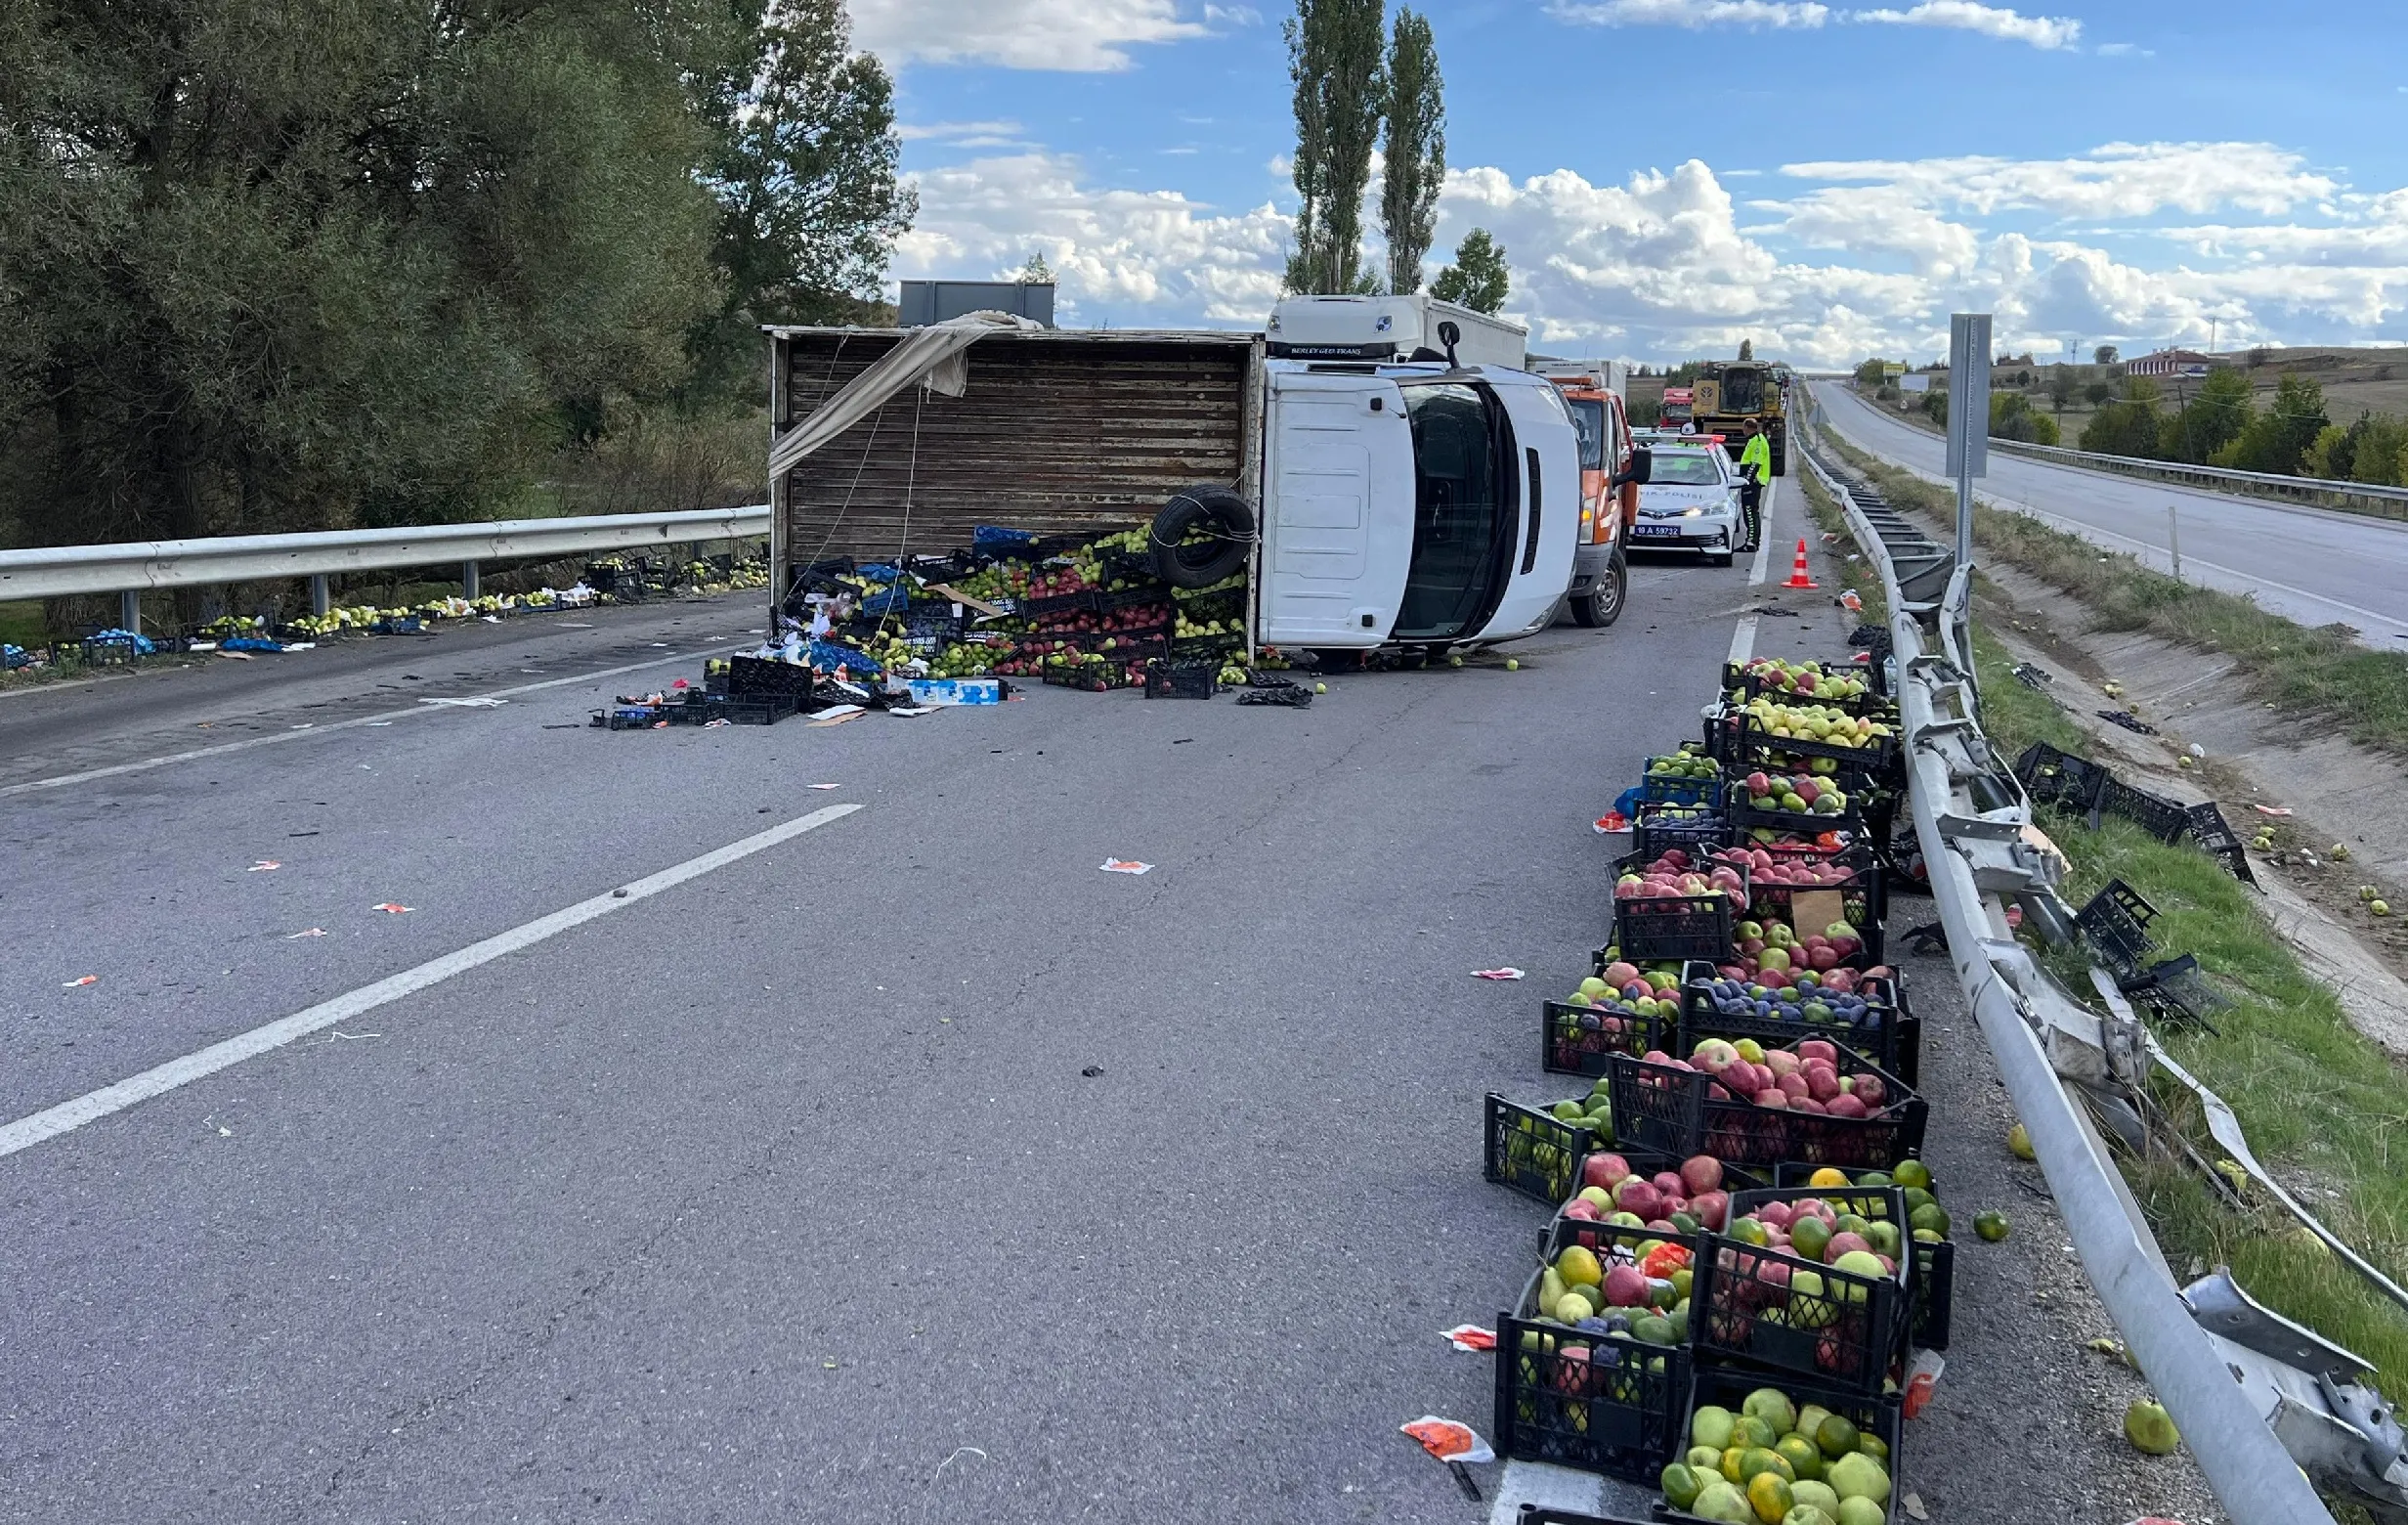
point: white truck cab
(1414, 505)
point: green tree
(2277, 440)
(2203, 426)
(2098, 394)
(2380, 456)
(804, 165)
(1747, 349)
(2011, 418)
(1036, 272)
(2130, 426)
(2060, 386)
(1341, 88)
(276, 266)
(1935, 406)
(1479, 281)
(1415, 155)
(1873, 373)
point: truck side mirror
(1449, 334)
(1640, 472)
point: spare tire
(1222, 524)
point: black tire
(1722, 558)
(1602, 603)
(1781, 457)
(1223, 514)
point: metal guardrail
(1975, 826)
(140, 565)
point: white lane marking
(1764, 535)
(1743, 641)
(424, 707)
(66, 1116)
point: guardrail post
(129, 611)
(468, 580)
(320, 603)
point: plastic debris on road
(390, 907)
(1470, 1337)
(264, 866)
(1506, 973)
(2271, 809)
(85, 980)
(823, 786)
(1447, 1440)
(1126, 866)
(1612, 823)
(475, 703)
(305, 931)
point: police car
(1691, 501)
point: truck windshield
(1463, 511)
(1588, 420)
(1743, 391)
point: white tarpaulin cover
(934, 352)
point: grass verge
(2324, 1109)
(2314, 674)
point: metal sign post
(1968, 417)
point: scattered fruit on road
(2150, 1428)
(1774, 1462)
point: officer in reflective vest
(1755, 470)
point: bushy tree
(2277, 440)
(2202, 426)
(803, 158)
(2380, 457)
(1415, 155)
(1340, 91)
(2104, 355)
(2130, 426)
(2011, 418)
(1478, 279)
(1873, 373)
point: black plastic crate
(1531, 1150)
(1584, 1400)
(1660, 825)
(1879, 758)
(1884, 1038)
(1668, 790)
(1935, 1267)
(1672, 928)
(1664, 1108)
(1736, 677)
(1748, 1304)
(756, 676)
(1747, 817)
(1111, 599)
(1577, 1040)
(1197, 649)
(735, 709)
(1541, 1514)
(1221, 603)
(2071, 784)
(2116, 921)
(2210, 829)
(1081, 602)
(2165, 819)
(1095, 676)
(1727, 1387)
(2178, 989)
(1863, 891)
(1181, 679)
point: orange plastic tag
(1447, 1440)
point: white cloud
(952, 132)
(2118, 180)
(1129, 258)
(2125, 50)
(1697, 15)
(1990, 20)
(1864, 258)
(1079, 36)
(1231, 16)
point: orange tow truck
(1608, 492)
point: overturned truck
(1372, 504)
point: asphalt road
(907, 1169)
(2316, 566)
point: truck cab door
(1337, 508)
(1547, 459)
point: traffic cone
(1798, 577)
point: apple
(1818, 1048)
(1604, 1171)
(1869, 1089)
(1701, 1174)
(1844, 1106)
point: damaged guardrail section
(2256, 1397)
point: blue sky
(1670, 175)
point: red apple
(1702, 1173)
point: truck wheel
(1224, 524)
(1602, 604)
(1780, 460)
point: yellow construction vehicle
(1728, 394)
